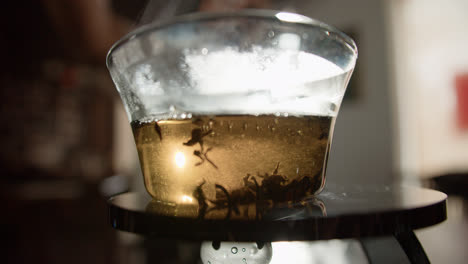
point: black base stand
(403, 247)
(413, 249)
(381, 218)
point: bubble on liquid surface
(271, 34)
(234, 250)
(243, 249)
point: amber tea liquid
(206, 163)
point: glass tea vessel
(230, 110)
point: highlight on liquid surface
(232, 165)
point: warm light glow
(179, 159)
(186, 199)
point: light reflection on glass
(289, 41)
(186, 199)
(179, 159)
(291, 17)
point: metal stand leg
(402, 247)
(411, 246)
(383, 250)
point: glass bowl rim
(280, 16)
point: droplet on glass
(271, 34)
(260, 244)
(216, 245)
(204, 51)
(234, 250)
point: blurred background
(66, 144)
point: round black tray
(350, 211)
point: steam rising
(262, 69)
